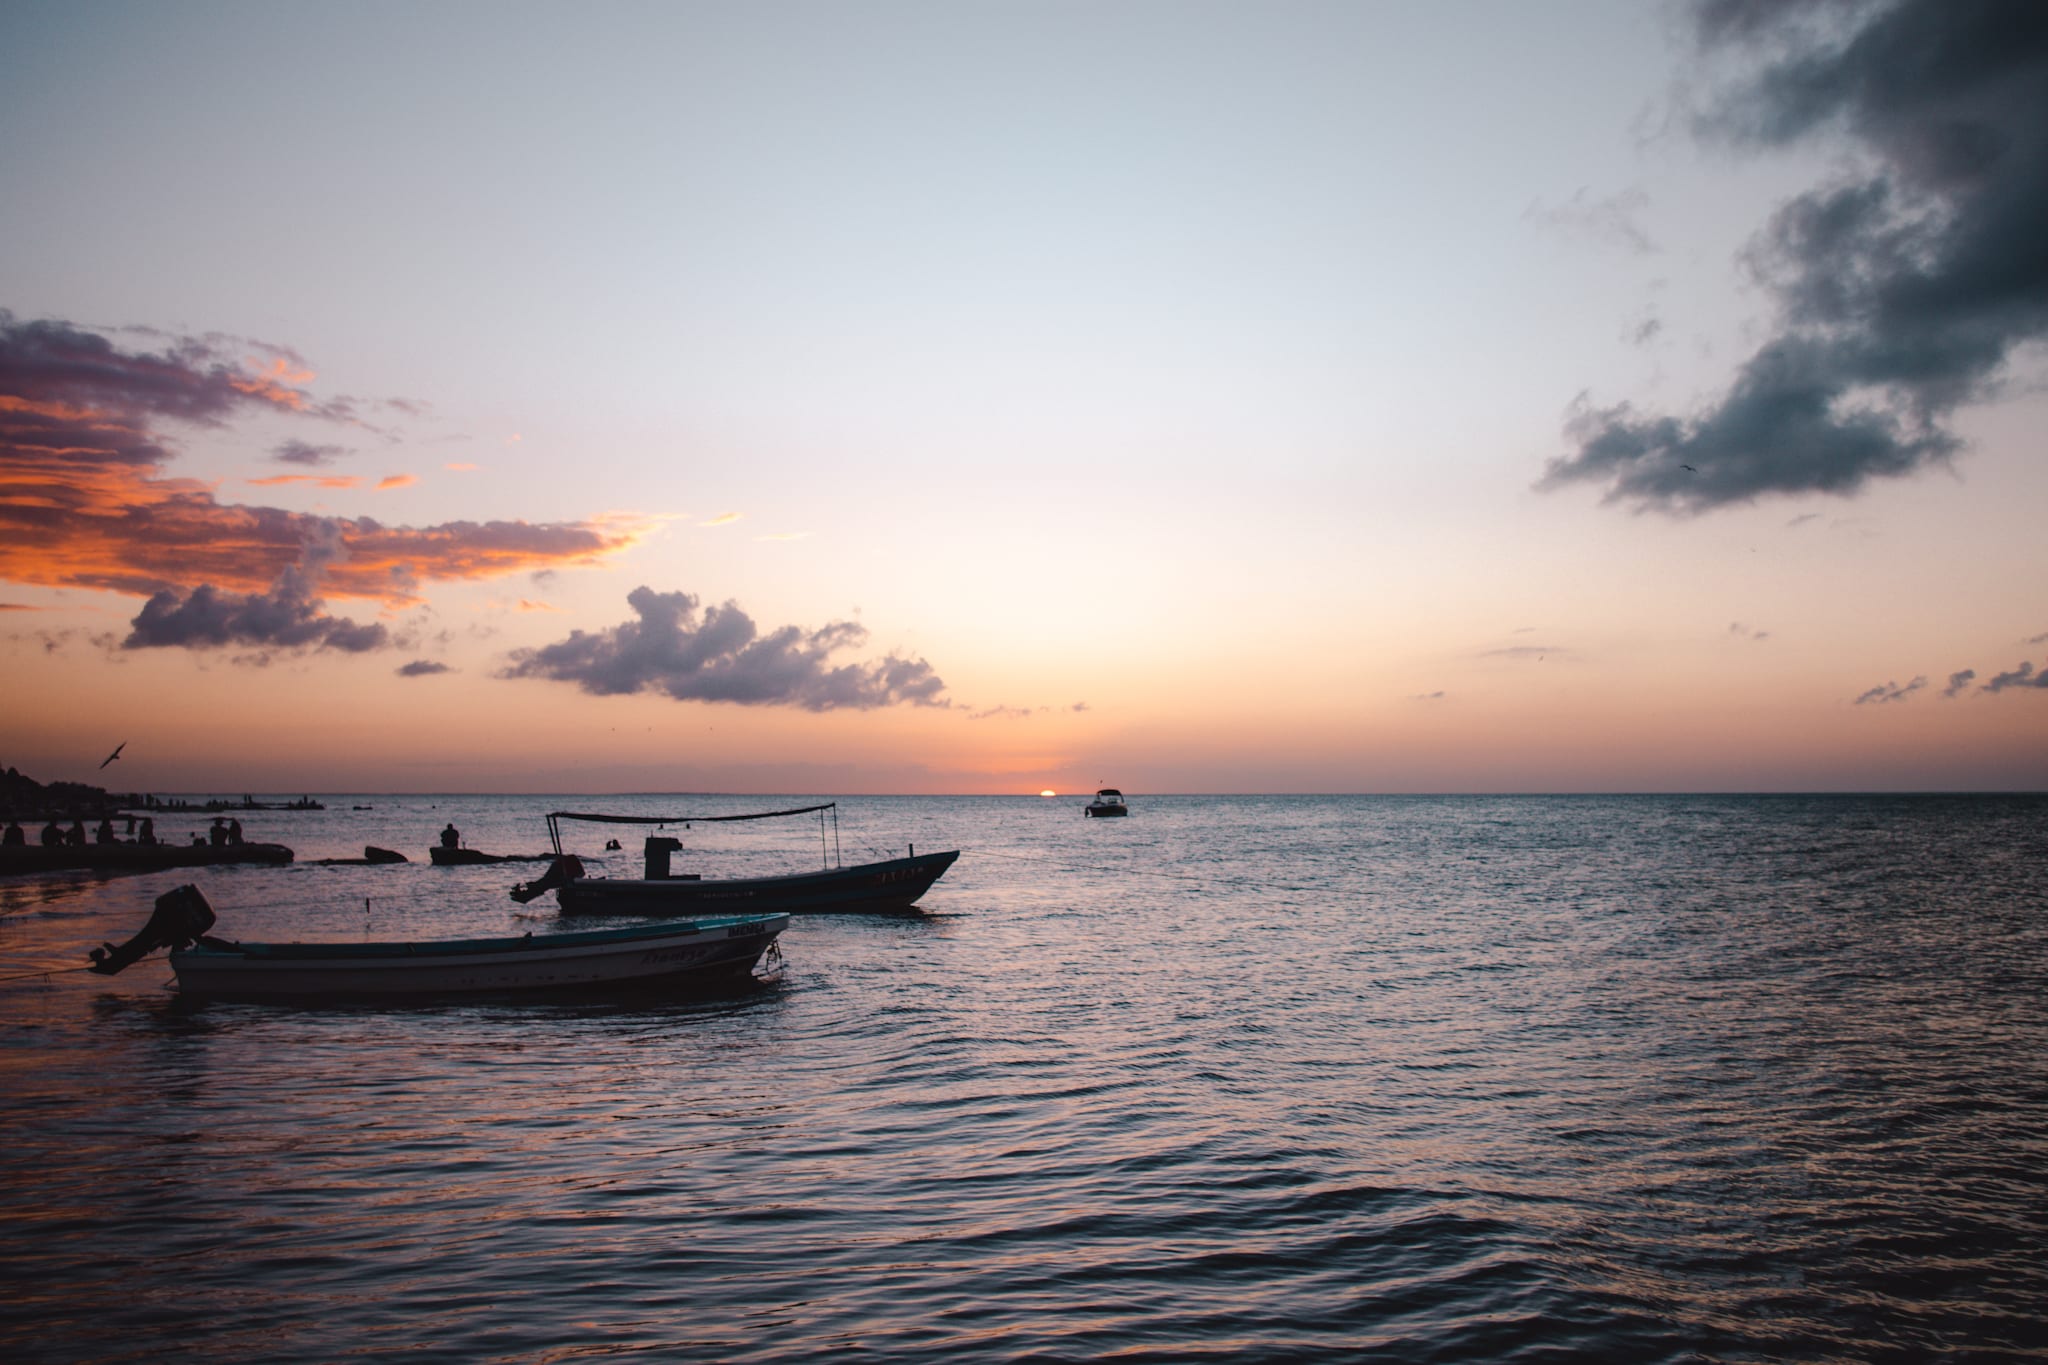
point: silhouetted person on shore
(105, 833)
(218, 835)
(15, 837)
(450, 838)
(148, 835)
(77, 839)
(53, 835)
(234, 831)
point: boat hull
(894, 885)
(1106, 810)
(695, 954)
(470, 857)
(135, 857)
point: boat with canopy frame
(893, 884)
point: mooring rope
(47, 971)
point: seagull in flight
(1688, 469)
(114, 755)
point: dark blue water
(1409, 1079)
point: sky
(996, 398)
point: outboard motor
(561, 872)
(659, 846)
(180, 917)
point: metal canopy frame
(831, 857)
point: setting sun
(1048, 792)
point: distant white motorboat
(696, 952)
(1108, 801)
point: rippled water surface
(1417, 1079)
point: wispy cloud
(1958, 682)
(54, 640)
(321, 480)
(397, 481)
(2024, 676)
(1613, 220)
(786, 535)
(421, 668)
(723, 519)
(528, 604)
(306, 453)
(1902, 287)
(1523, 652)
(1891, 691)
(461, 467)
(1742, 632)
(719, 655)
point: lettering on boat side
(667, 954)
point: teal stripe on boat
(477, 946)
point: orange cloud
(723, 519)
(276, 384)
(84, 501)
(324, 480)
(526, 605)
(460, 467)
(397, 481)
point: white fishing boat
(706, 951)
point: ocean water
(1415, 1079)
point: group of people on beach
(56, 836)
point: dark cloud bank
(719, 655)
(288, 617)
(1903, 287)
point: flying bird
(1688, 469)
(114, 755)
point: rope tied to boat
(47, 971)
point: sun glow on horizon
(1048, 792)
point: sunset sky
(997, 397)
